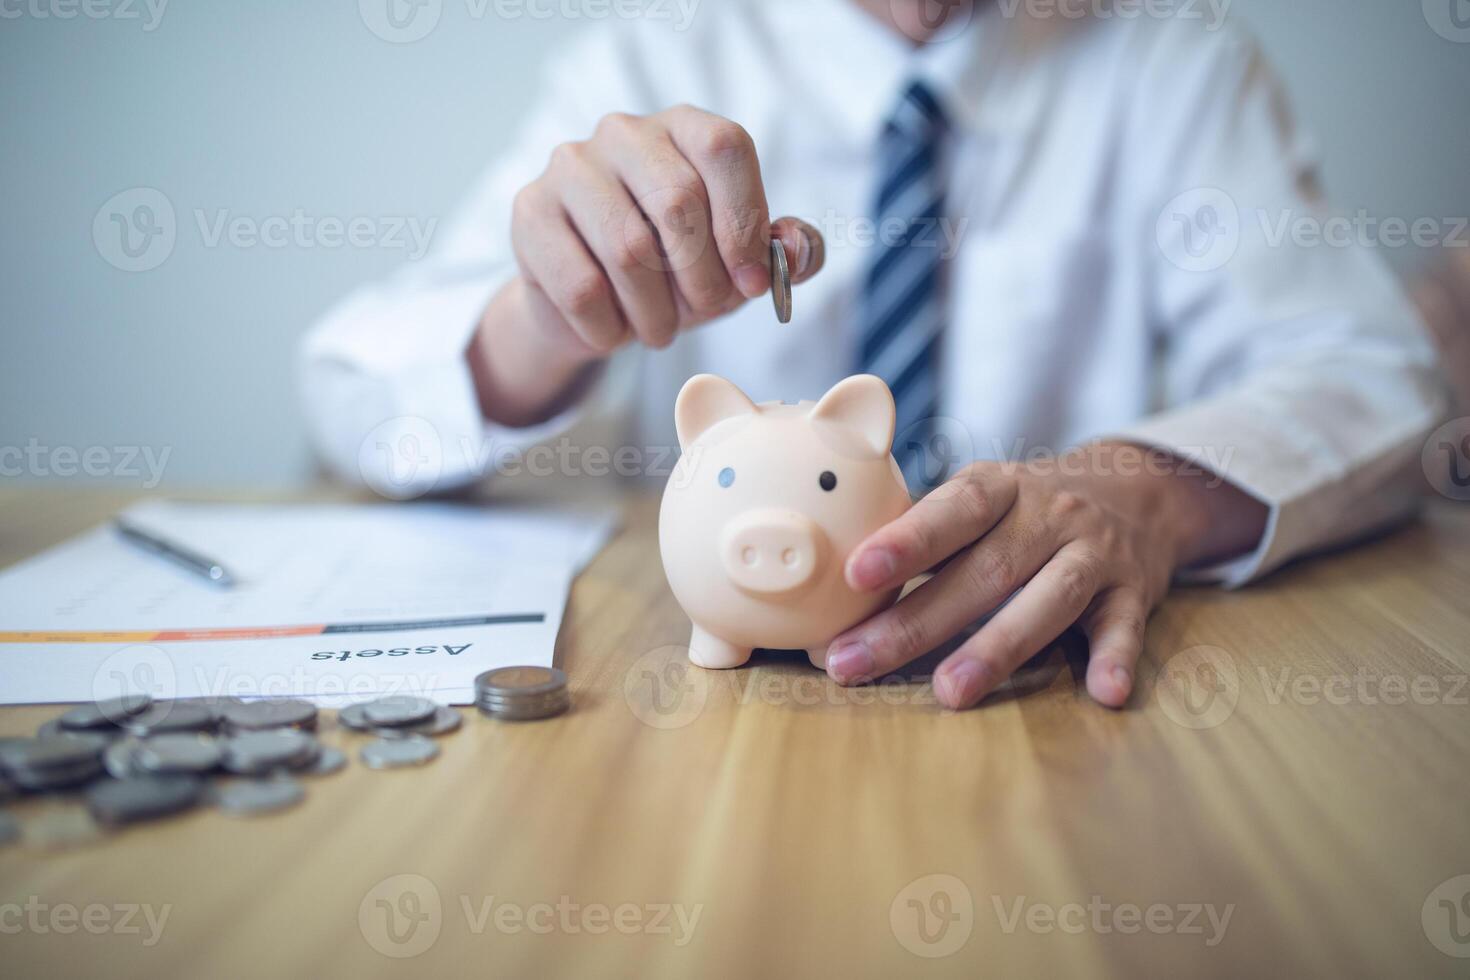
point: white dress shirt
(1089, 162)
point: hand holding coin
(650, 226)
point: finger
(558, 264)
(953, 516)
(670, 196)
(1114, 627)
(1038, 614)
(806, 250)
(626, 248)
(724, 154)
(970, 586)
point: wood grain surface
(1286, 794)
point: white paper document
(333, 603)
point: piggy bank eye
(828, 480)
(727, 477)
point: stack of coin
(522, 693)
(401, 722)
(398, 715)
(260, 753)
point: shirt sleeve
(387, 390)
(1294, 366)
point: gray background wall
(254, 110)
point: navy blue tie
(902, 312)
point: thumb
(805, 249)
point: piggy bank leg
(714, 653)
(818, 657)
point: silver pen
(193, 561)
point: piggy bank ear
(863, 404)
(703, 401)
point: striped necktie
(902, 312)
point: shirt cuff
(1278, 464)
(392, 377)
(1318, 494)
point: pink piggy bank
(764, 507)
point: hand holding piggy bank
(764, 507)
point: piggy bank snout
(771, 551)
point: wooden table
(1295, 758)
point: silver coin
(393, 753)
(178, 754)
(519, 682)
(171, 716)
(104, 714)
(327, 761)
(352, 717)
(56, 777)
(9, 828)
(525, 709)
(120, 759)
(780, 282)
(256, 753)
(442, 722)
(121, 801)
(257, 715)
(51, 752)
(400, 709)
(59, 827)
(248, 797)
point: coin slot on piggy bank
(763, 508)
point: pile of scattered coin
(132, 759)
(522, 693)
